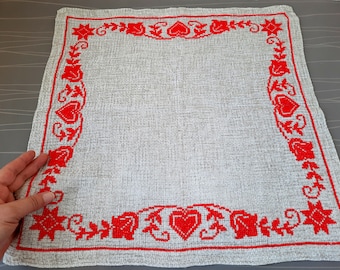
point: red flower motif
(124, 225)
(278, 68)
(318, 217)
(72, 73)
(48, 223)
(271, 27)
(83, 31)
(301, 149)
(218, 27)
(60, 156)
(136, 29)
(243, 223)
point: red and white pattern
(202, 222)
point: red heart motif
(218, 27)
(285, 105)
(70, 112)
(185, 222)
(125, 225)
(178, 29)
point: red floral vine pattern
(72, 100)
(184, 222)
(190, 30)
(289, 121)
(165, 222)
(119, 227)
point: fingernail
(48, 197)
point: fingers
(31, 169)
(16, 210)
(6, 195)
(11, 214)
(10, 171)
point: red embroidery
(286, 227)
(122, 226)
(246, 224)
(155, 220)
(125, 225)
(73, 95)
(204, 221)
(71, 92)
(301, 149)
(318, 217)
(216, 227)
(48, 223)
(178, 29)
(285, 105)
(271, 27)
(290, 127)
(189, 30)
(59, 158)
(243, 223)
(72, 71)
(136, 29)
(218, 27)
(185, 222)
(278, 68)
(70, 112)
(83, 31)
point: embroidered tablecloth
(180, 137)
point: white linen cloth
(180, 137)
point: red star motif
(48, 223)
(83, 31)
(318, 217)
(271, 27)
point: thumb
(22, 207)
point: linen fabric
(180, 137)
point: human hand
(12, 177)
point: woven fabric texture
(180, 137)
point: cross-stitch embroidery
(165, 222)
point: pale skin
(12, 177)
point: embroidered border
(207, 221)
